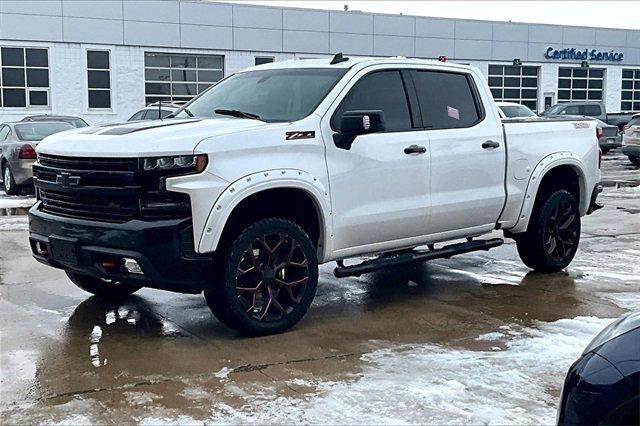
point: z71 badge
(307, 134)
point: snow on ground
(16, 201)
(430, 384)
(14, 223)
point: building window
(263, 60)
(99, 79)
(24, 81)
(177, 77)
(580, 84)
(630, 90)
(515, 84)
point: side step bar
(406, 258)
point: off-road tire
(248, 264)
(10, 185)
(101, 288)
(557, 218)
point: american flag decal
(306, 134)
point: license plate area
(64, 250)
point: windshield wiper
(238, 113)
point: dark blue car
(603, 386)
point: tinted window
(4, 131)
(383, 90)
(137, 116)
(152, 114)
(39, 131)
(571, 110)
(512, 111)
(592, 110)
(446, 100)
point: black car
(603, 386)
(74, 121)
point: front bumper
(163, 249)
(631, 150)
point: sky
(606, 14)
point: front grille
(104, 189)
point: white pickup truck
(285, 166)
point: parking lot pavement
(474, 339)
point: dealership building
(104, 60)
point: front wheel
(268, 279)
(551, 241)
(10, 186)
(106, 289)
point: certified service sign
(583, 55)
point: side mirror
(355, 123)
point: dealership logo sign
(583, 55)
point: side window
(592, 110)
(572, 110)
(166, 112)
(137, 116)
(4, 131)
(152, 114)
(381, 90)
(447, 100)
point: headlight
(618, 327)
(180, 163)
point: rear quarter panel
(536, 147)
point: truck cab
(288, 165)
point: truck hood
(143, 138)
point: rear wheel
(605, 150)
(107, 289)
(10, 186)
(551, 241)
(268, 279)
(635, 161)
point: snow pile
(436, 384)
(14, 223)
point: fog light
(132, 266)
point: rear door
(467, 151)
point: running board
(405, 258)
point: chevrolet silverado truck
(282, 167)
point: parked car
(608, 135)
(74, 121)
(155, 111)
(17, 151)
(281, 167)
(590, 109)
(603, 385)
(515, 110)
(631, 140)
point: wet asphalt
(68, 357)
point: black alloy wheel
(269, 279)
(552, 238)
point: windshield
(512, 111)
(273, 95)
(39, 131)
(553, 110)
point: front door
(379, 192)
(467, 152)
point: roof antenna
(338, 58)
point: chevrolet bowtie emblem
(65, 180)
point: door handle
(415, 149)
(490, 144)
